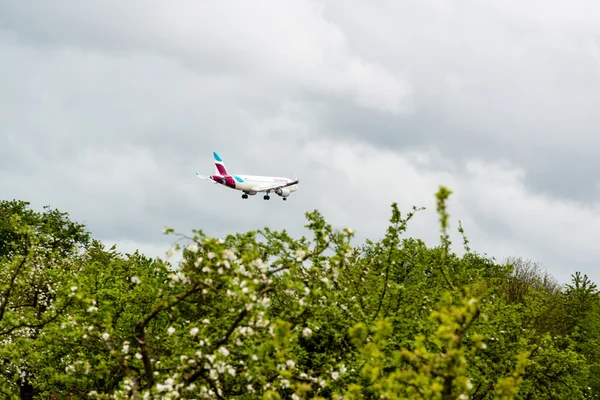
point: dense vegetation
(264, 315)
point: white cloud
(566, 229)
(288, 42)
(500, 215)
(109, 106)
(582, 14)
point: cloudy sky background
(106, 108)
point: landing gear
(266, 197)
(285, 198)
(244, 196)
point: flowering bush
(263, 315)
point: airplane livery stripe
(221, 169)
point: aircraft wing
(273, 186)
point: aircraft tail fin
(219, 165)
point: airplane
(250, 184)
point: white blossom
(161, 388)
(179, 276)
(171, 330)
(300, 254)
(194, 331)
(258, 263)
(229, 254)
(224, 351)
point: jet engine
(283, 192)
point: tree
(261, 314)
(38, 261)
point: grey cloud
(295, 47)
(106, 107)
(73, 109)
(494, 86)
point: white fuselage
(251, 183)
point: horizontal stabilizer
(202, 176)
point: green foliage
(38, 263)
(59, 233)
(261, 314)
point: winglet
(217, 157)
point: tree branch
(140, 329)
(8, 291)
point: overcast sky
(106, 108)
